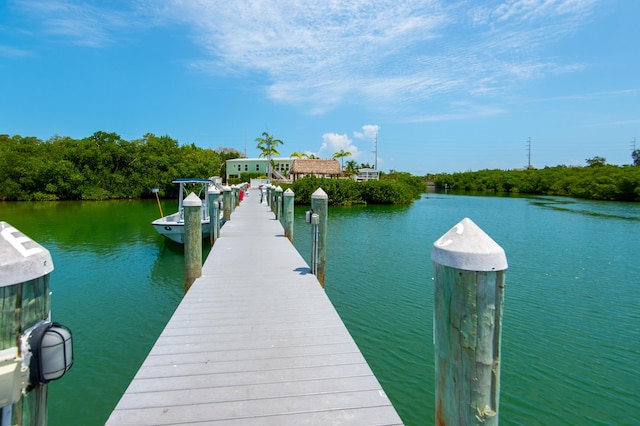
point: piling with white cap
(192, 239)
(469, 282)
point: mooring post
(320, 205)
(214, 214)
(192, 239)
(469, 281)
(272, 198)
(279, 204)
(226, 202)
(288, 207)
(236, 194)
(233, 198)
(25, 304)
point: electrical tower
(529, 153)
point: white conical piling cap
(319, 194)
(467, 247)
(289, 193)
(21, 258)
(192, 200)
(213, 190)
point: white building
(236, 166)
(367, 174)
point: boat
(172, 226)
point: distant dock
(255, 341)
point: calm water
(571, 331)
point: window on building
(246, 167)
(257, 167)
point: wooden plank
(255, 343)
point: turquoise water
(571, 331)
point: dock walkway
(255, 341)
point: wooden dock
(255, 341)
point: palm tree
(268, 147)
(352, 168)
(296, 154)
(341, 154)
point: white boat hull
(172, 226)
(175, 230)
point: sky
(422, 86)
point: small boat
(172, 226)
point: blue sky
(447, 86)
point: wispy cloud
(12, 52)
(85, 23)
(459, 111)
(377, 52)
(319, 54)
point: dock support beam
(192, 239)
(320, 205)
(288, 207)
(214, 214)
(468, 299)
(226, 202)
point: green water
(571, 332)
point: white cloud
(334, 142)
(318, 55)
(321, 54)
(369, 131)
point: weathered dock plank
(255, 341)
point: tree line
(392, 188)
(101, 166)
(596, 181)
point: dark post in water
(214, 214)
(288, 207)
(192, 239)
(226, 202)
(320, 205)
(279, 204)
(469, 269)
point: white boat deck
(255, 343)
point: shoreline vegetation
(597, 181)
(104, 166)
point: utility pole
(634, 144)
(375, 151)
(529, 153)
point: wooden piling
(192, 239)
(25, 267)
(279, 200)
(226, 202)
(320, 205)
(214, 214)
(288, 207)
(236, 196)
(469, 283)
